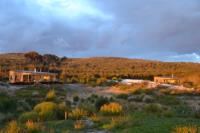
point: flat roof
(166, 77)
(33, 72)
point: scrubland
(81, 108)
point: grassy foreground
(47, 110)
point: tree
(33, 57)
(50, 58)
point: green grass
(148, 123)
(28, 92)
(60, 126)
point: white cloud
(193, 57)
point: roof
(165, 77)
(33, 72)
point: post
(65, 115)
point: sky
(166, 30)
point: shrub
(153, 108)
(79, 125)
(32, 126)
(111, 108)
(101, 101)
(116, 123)
(12, 127)
(33, 116)
(89, 107)
(76, 98)
(77, 113)
(46, 110)
(168, 100)
(95, 118)
(23, 106)
(197, 114)
(186, 129)
(63, 109)
(183, 110)
(7, 104)
(92, 98)
(51, 95)
(122, 96)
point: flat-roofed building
(28, 77)
(166, 80)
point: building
(132, 81)
(167, 80)
(28, 77)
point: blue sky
(152, 29)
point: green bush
(101, 101)
(76, 98)
(33, 116)
(77, 113)
(197, 114)
(168, 100)
(153, 108)
(90, 108)
(7, 103)
(46, 110)
(183, 111)
(62, 108)
(122, 96)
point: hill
(90, 69)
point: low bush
(186, 129)
(63, 108)
(153, 108)
(111, 109)
(79, 125)
(76, 98)
(77, 113)
(7, 103)
(101, 101)
(51, 95)
(33, 116)
(32, 127)
(95, 118)
(116, 123)
(46, 110)
(183, 111)
(168, 100)
(122, 96)
(12, 127)
(90, 108)
(23, 106)
(197, 114)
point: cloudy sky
(152, 29)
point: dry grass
(186, 129)
(111, 108)
(79, 125)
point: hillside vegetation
(98, 69)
